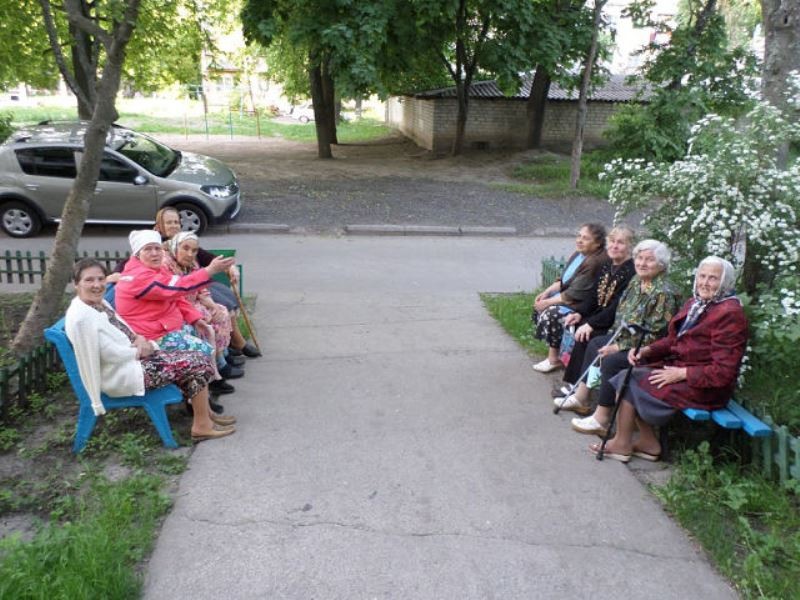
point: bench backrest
(59, 339)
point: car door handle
(31, 186)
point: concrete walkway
(395, 443)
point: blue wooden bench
(154, 402)
(733, 416)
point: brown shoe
(215, 433)
(222, 419)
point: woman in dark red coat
(695, 366)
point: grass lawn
(547, 176)
(78, 526)
(188, 117)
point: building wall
(431, 123)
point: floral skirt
(184, 339)
(189, 370)
(550, 324)
(222, 327)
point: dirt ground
(394, 156)
(387, 181)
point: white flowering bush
(727, 188)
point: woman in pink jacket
(151, 298)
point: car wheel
(303, 119)
(19, 220)
(193, 218)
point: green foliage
(749, 526)
(5, 126)
(695, 74)
(513, 312)
(94, 554)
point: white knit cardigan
(106, 357)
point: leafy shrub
(5, 126)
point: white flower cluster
(727, 185)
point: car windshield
(157, 158)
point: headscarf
(159, 225)
(175, 242)
(725, 291)
(138, 238)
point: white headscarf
(141, 237)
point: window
(47, 162)
(113, 169)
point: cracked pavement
(393, 442)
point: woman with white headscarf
(695, 366)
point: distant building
(498, 121)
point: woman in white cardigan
(113, 359)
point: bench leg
(158, 415)
(84, 428)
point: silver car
(138, 176)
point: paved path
(394, 443)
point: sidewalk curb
(396, 230)
(441, 230)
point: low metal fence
(27, 375)
(29, 267)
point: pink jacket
(152, 301)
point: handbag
(593, 377)
(567, 344)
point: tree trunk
(462, 95)
(781, 56)
(321, 112)
(535, 106)
(84, 77)
(329, 92)
(580, 117)
(47, 300)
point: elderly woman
(595, 316)
(181, 260)
(153, 299)
(649, 301)
(168, 224)
(115, 360)
(565, 294)
(695, 366)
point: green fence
(29, 267)
(26, 376)
(551, 269)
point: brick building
(498, 121)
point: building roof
(615, 89)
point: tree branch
(55, 45)
(85, 24)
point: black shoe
(217, 408)
(229, 372)
(235, 361)
(221, 387)
(250, 350)
(233, 351)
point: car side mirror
(139, 180)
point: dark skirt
(577, 366)
(222, 294)
(550, 325)
(650, 409)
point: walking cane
(621, 392)
(575, 385)
(246, 318)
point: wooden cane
(246, 318)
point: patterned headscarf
(174, 243)
(725, 291)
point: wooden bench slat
(697, 414)
(754, 426)
(725, 418)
